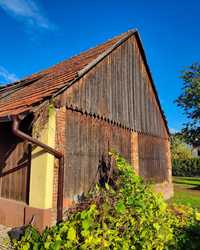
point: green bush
(124, 214)
(186, 228)
(179, 149)
(189, 167)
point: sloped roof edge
(130, 33)
(151, 79)
(82, 72)
(24, 95)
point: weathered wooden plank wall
(14, 165)
(88, 141)
(153, 158)
(119, 89)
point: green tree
(179, 149)
(189, 101)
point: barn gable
(114, 105)
(135, 104)
(120, 89)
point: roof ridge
(109, 50)
(35, 75)
(22, 95)
(98, 59)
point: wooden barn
(57, 127)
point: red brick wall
(134, 151)
(153, 158)
(60, 142)
(165, 187)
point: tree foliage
(189, 101)
(186, 167)
(179, 149)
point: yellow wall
(42, 168)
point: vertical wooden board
(69, 152)
(153, 163)
(145, 106)
(119, 96)
(15, 176)
(138, 92)
(134, 86)
(69, 141)
(88, 142)
(70, 169)
(14, 184)
(124, 66)
(92, 131)
(114, 89)
(130, 85)
(119, 88)
(109, 92)
(84, 152)
(149, 131)
(78, 161)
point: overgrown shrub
(186, 228)
(179, 149)
(189, 167)
(124, 214)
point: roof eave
(5, 119)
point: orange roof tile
(23, 95)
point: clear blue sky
(36, 34)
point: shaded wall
(14, 165)
(153, 158)
(87, 143)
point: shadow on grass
(187, 181)
(195, 188)
(188, 186)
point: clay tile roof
(23, 95)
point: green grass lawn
(186, 191)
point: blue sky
(36, 34)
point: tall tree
(189, 100)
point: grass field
(186, 191)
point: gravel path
(4, 238)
